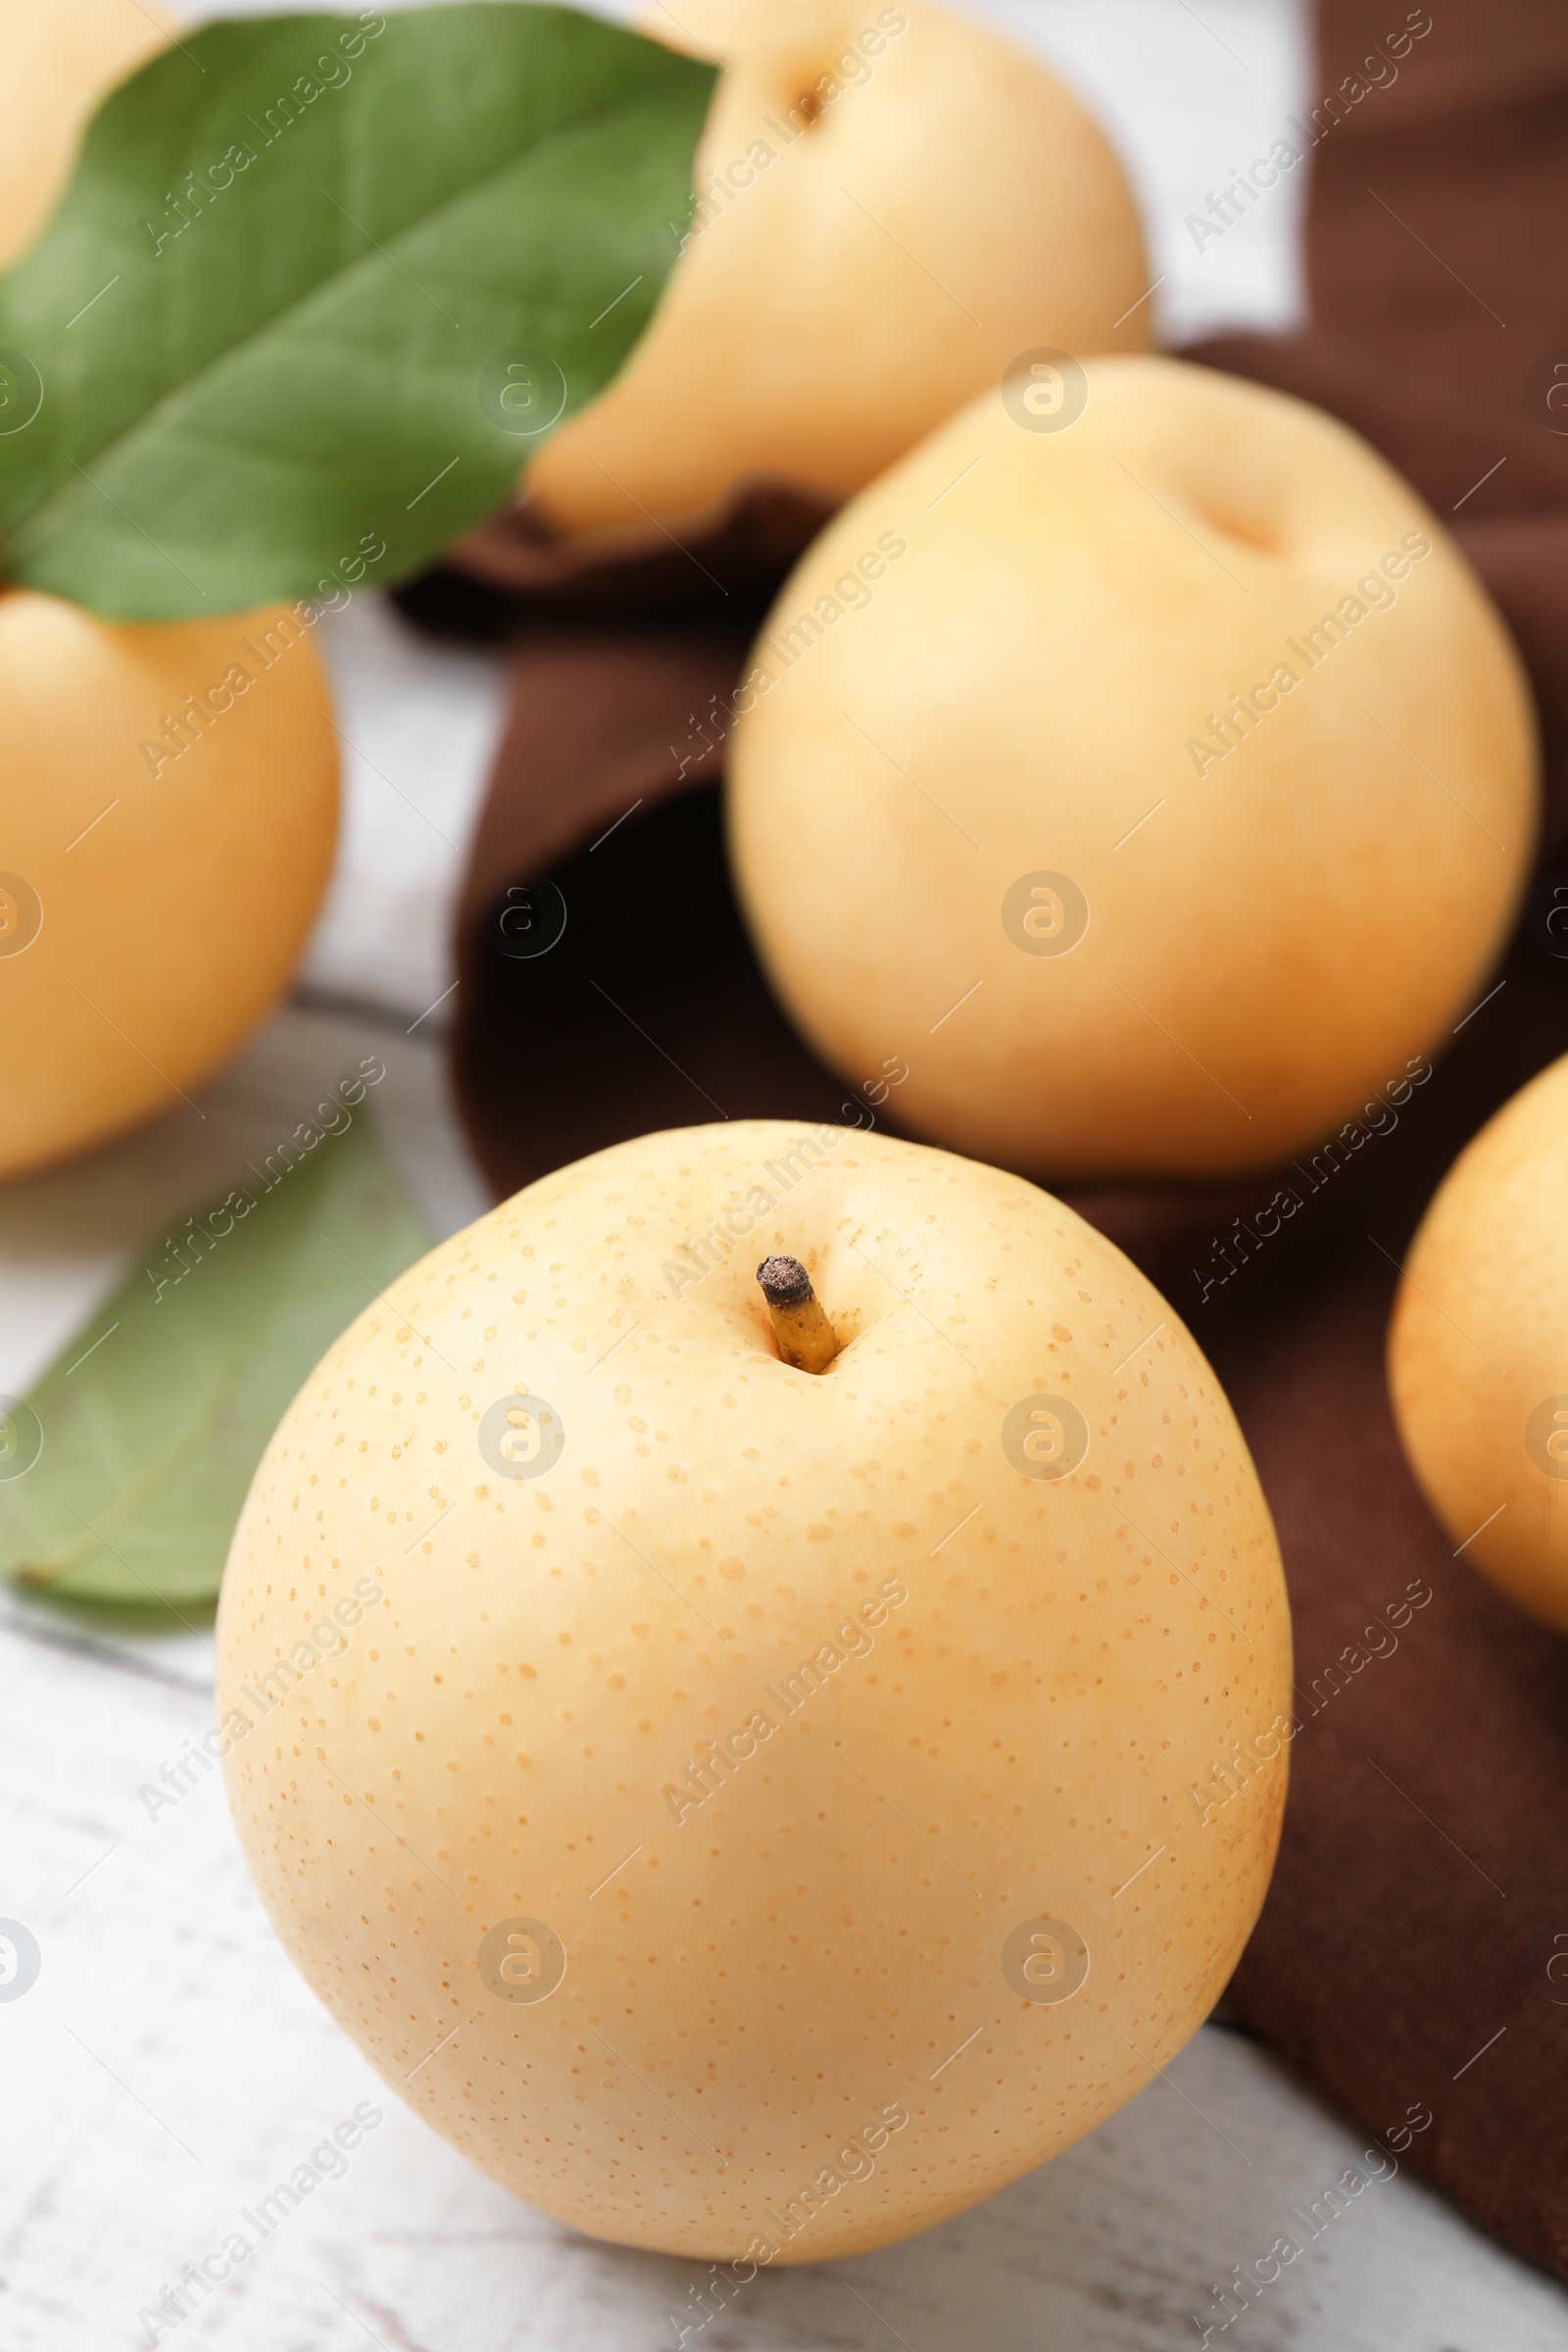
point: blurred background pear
(58, 58)
(891, 204)
(168, 817)
(1145, 766)
(1478, 1348)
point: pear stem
(803, 1333)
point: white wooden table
(168, 2066)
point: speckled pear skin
(749, 1813)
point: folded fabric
(1403, 1953)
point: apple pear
(58, 59)
(1477, 1349)
(891, 205)
(1139, 761)
(756, 1811)
(168, 798)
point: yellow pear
(1478, 1348)
(168, 794)
(167, 813)
(1141, 763)
(58, 58)
(756, 1811)
(893, 205)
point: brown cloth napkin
(1408, 1953)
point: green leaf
(220, 390)
(154, 1417)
